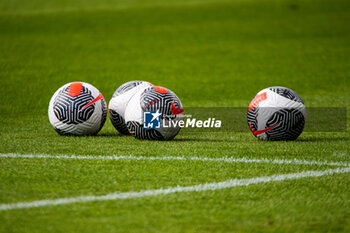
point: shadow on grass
(108, 135)
(203, 140)
(328, 139)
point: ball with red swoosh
(276, 114)
(77, 108)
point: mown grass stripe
(195, 158)
(195, 188)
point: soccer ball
(276, 114)
(119, 101)
(77, 109)
(157, 105)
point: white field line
(207, 159)
(178, 189)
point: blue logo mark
(151, 120)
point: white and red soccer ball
(276, 113)
(163, 104)
(77, 108)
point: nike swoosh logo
(175, 110)
(152, 103)
(100, 96)
(257, 132)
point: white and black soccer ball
(120, 100)
(163, 105)
(77, 108)
(276, 114)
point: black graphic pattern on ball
(289, 124)
(126, 86)
(285, 92)
(139, 132)
(63, 132)
(283, 124)
(152, 100)
(68, 109)
(118, 122)
(104, 113)
(252, 117)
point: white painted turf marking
(154, 192)
(206, 159)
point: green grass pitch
(211, 54)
